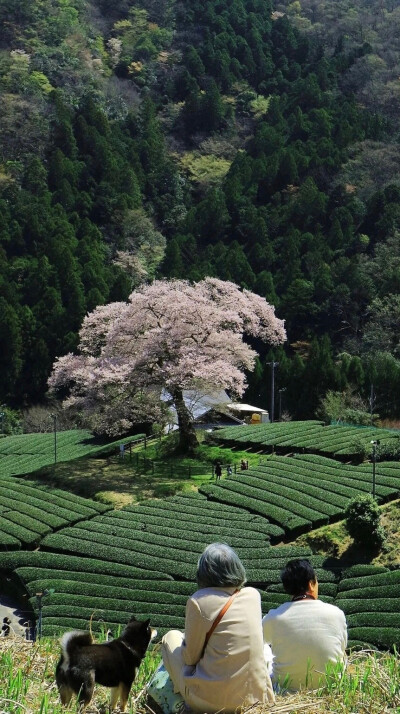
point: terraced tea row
(29, 511)
(108, 593)
(371, 603)
(169, 535)
(25, 453)
(304, 491)
(340, 441)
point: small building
(213, 410)
(248, 413)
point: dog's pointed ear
(146, 623)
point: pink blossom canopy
(172, 335)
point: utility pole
(374, 445)
(272, 410)
(54, 417)
(282, 389)
(372, 400)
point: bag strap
(217, 620)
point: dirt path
(17, 616)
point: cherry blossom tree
(172, 335)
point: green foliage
(363, 521)
(205, 170)
(346, 407)
(26, 453)
(333, 440)
(10, 421)
(307, 213)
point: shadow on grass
(97, 477)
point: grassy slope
(335, 541)
(121, 482)
(370, 685)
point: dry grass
(370, 685)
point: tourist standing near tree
(218, 471)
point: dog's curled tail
(72, 641)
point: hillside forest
(246, 140)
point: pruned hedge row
(359, 477)
(338, 440)
(50, 519)
(304, 476)
(186, 509)
(268, 434)
(229, 492)
(54, 496)
(303, 492)
(55, 626)
(281, 479)
(129, 535)
(156, 526)
(74, 565)
(369, 577)
(371, 603)
(384, 637)
(59, 542)
(30, 511)
(20, 533)
(190, 546)
(8, 541)
(109, 592)
(24, 453)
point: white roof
(245, 408)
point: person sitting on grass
(304, 634)
(220, 669)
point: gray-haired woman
(227, 671)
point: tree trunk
(187, 434)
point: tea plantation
(303, 492)
(25, 453)
(341, 441)
(105, 564)
(29, 511)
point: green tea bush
(385, 637)
(371, 577)
(22, 534)
(75, 564)
(238, 494)
(363, 521)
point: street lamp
(39, 597)
(273, 365)
(374, 445)
(54, 417)
(2, 417)
(282, 389)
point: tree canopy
(172, 336)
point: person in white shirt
(304, 634)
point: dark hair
(296, 576)
(219, 566)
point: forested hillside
(235, 138)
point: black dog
(113, 664)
